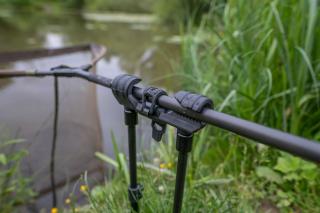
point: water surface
(88, 114)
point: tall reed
(260, 62)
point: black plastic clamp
(152, 94)
(193, 101)
(122, 88)
(135, 194)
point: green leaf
(292, 176)
(124, 168)
(3, 159)
(97, 191)
(107, 159)
(309, 174)
(269, 174)
(288, 164)
(11, 142)
(305, 165)
(317, 136)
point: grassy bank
(259, 61)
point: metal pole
(134, 188)
(308, 149)
(183, 145)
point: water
(88, 114)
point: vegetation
(15, 189)
(144, 6)
(259, 61)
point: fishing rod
(188, 112)
(307, 149)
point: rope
(54, 142)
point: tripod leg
(183, 145)
(134, 189)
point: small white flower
(161, 189)
(236, 33)
(156, 161)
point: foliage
(144, 6)
(184, 12)
(256, 65)
(158, 177)
(14, 188)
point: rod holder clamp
(184, 142)
(122, 89)
(149, 107)
(130, 117)
(193, 101)
(135, 194)
(151, 94)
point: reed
(259, 61)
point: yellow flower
(54, 210)
(162, 165)
(169, 165)
(67, 201)
(83, 188)
(76, 210)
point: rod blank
(307, 149)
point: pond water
(88, 114)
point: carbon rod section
(308, 149)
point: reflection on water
(88, 114)
(53, 40)
(137, 45)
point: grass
(260, 61)
(158, 177)
(15, 190)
